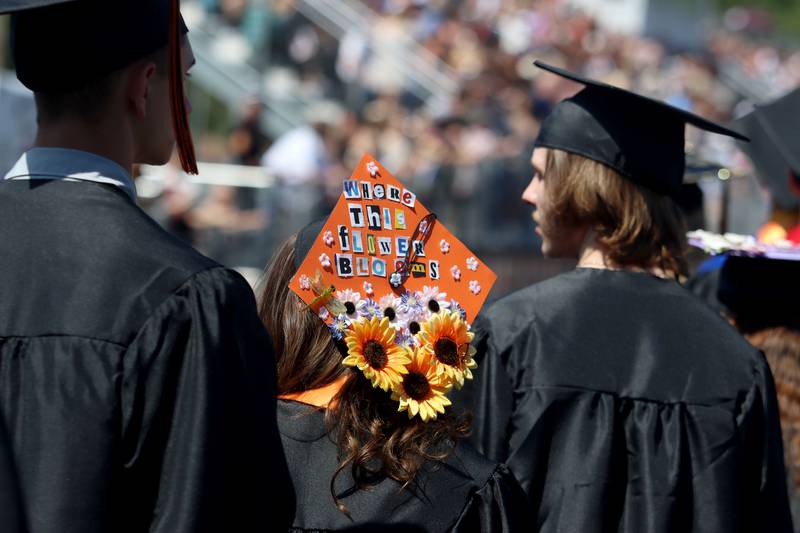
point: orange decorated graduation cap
(62, 46)
(397, 286)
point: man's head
(93, 60)
(631, 224)
(136, 98)
(606, 162)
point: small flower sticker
(304, 282)
(410, 304)
(369, 308)
(324, 313)
(444, 246)
(455, 306)
(338, 327)
(368, 289)
(325, 261)
(474, 287)
(456, 273)
(327, 238)
(372, 168)
(350, 299)
(395, 280)
(434, 300)
(472, 264)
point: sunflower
(371, 348)
(422, 390)
(446, 337)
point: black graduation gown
(623, 403)
(467, 493)
(136, 381)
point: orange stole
(319, 397)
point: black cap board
(65, 45)
(305, 240)
(11, 6)
(761, 292)
(61, 46)
(775, 147)
(641, 138)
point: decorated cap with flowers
(397, 287)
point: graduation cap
(382, 269)
(775, 147)
(755, 283)
(761, 292)
(61, 46)
(641, 138)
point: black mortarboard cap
(761, 292)
(305, 240)
(641, 138)
(60, 46)
(775, 146)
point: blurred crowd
(468, 159)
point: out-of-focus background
(288, 94)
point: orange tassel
(180, 118)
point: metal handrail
(430, 77)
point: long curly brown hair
(374, 440)
(781, 346)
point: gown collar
(71, 165)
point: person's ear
(138, 87)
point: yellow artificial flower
(422, 391)
(371, 349)
(447, 338)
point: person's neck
(101, 139)
(593, 255)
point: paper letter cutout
(374, 217)
(378, 267)
(356, 215)
(362, 266)
(401, 246)
(344, 239)
(344, 265)
(387, 218)
(385, 245)
(409, 198)
(351, 191)
(399, 219)
(366, 190)
(433, 268)
(358, 243)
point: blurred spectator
(467, 160)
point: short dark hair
(89, 101)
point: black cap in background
(761, 292)
(641, 138)
(775, 147)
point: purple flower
(410, 304)
(454, 306)
(369, 308)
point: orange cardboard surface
(368, 237)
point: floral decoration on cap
(390, 289)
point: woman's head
(632, 225)
(306, 355)
(373, 437)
